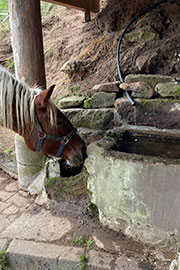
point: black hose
(120, 40)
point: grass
(10, 64)
(4, 22)
(79, 241)
(3, 260)
(47, 8)
(83, 261)
(3, 7)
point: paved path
(40, 237)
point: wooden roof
(91, 5)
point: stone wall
(135, 194)
(157, 100)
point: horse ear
(44, 96)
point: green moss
(92, 208)
(177, 91)
(146, 102)
(88, 103)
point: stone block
(71, 102)
(4, 195)
(41, 226)
(12, 187)
(150, 79)
(103, 100)
(33, 255)
(138, 89)
(4, 205)
(160, 113)
(10, 210)
(91, 118)
(168, 89)
(4, 222)
(9, 164)
(111, 87)
(3, 243)
(18, 200)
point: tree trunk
(26, 38)
(27, 44)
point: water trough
(134, 176)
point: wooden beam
(91, 5)
(26, 38)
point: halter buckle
(64, 140)
(42, 135)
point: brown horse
(31, 113)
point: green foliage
(89, 243)
(88, 103)
(83, 261)
(10, 64)
(3, 6)
(3, 260)
(9, 150)
(79, 241)
(92, 208)
(73, 88)
(4, 22)
(46, 8)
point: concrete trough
(138, 193)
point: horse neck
(16, 102)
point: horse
(30, 112)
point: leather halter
(42, 136)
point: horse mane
(15, 92)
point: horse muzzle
(77, 158)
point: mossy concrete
(135, 194)
(67, 187)
(30, 164)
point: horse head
(31, 113)
(52, 133)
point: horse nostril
(84, 152)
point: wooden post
(26, 38)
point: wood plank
(91, 5)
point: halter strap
(42, 135)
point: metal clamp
(42, 135)
(64, 140)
